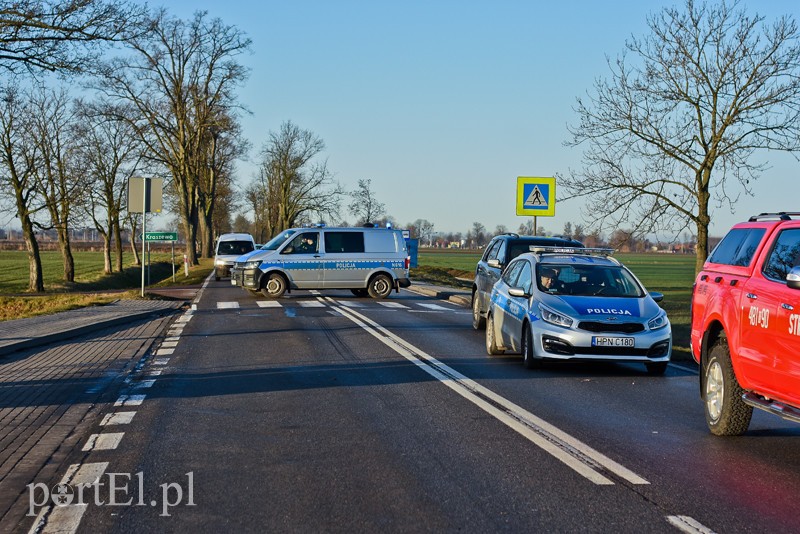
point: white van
(229, 247)
(368, 261)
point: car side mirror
(656, 296)
(793, 278)
(493, 263)
(518, 292)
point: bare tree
(365, 207)
(291, 186)
(111, 153)
(677, 123)
(19, 155)
(180, 78)
(54, 35)
(57, 176)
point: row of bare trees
(164, 106)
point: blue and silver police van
(369, 261)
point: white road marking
(153, 372)
(66, 519)
(185, 318)
(168, 344)
(164, 352)
(577, 455)
(144, 384)
(130, 400)
(311, 304)
(686, 524)
(431, 306)
(393, 305)
(161, 361)
(269, 303)
(227, 305)
(103, 442)
(117, 418)
(350, 303)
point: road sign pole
(144, 227)
(173, 260)
(535, 226)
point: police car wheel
(275, 286)
(380, 286)
(478, 322)
(491, 342)
(528, 358)
(726, 412)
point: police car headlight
(251, 264)
(658, 322)
(555, 318)
(219, 262)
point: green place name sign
(161, 236)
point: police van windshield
(278, 240)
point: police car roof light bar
(571, 250)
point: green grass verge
(91, 287)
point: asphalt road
(331, 413)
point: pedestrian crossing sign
(536, 196)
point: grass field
(91, 287)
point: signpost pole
(144, 227)
(173, 260)
(535, 226)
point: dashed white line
(117, 418)
(164, 352)
(130, 400)
(431, 306)
(103, 442)
(161, 361)
(63, 519)
(144, 384)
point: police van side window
(784, 255)
(738, 247)
(350, 242)
(305, 243)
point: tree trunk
(117, 231)
(66, 253)
(35, 278)
(136, 259)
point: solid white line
(569, 450)
(686, 524)
(350, 303)
(117, 418)
(103, 442)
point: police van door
(302, 260)
(344, 259)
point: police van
(229, 247)
(368, 261)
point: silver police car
(576, 304)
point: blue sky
(442, 104)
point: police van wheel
(380, 286)
(275, 286)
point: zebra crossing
(408, 306)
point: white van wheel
(275, 286)
(380, 286)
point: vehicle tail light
(408, 262)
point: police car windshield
(278, 240)
(588, 280)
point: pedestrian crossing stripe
(311, 304)
(227, 305)
(268, 303)
(394, 305)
